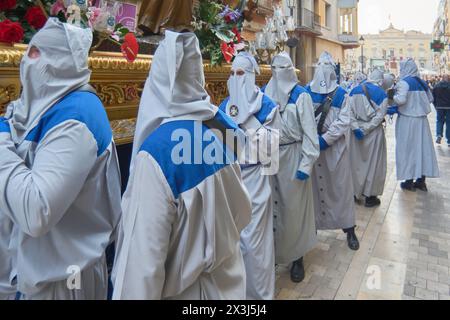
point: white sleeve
(310, 145)
(149, 210)
(340, 126)
(264, 137)
(401, 95)
(37, 198)
(377, 119)
(352, 111)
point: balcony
(349, 41)
(308, 23)
(347, 4)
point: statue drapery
(157, 14)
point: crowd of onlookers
(433, 80)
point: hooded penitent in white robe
(358, 78)
(293, 202)
(332, 176)
(415, 153)
(7, 251)
(257, 115)
(184, 208)
(369, 156)
(59, 173)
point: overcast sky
(405, 14)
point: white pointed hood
(358, 78)
(245, 96)
(389, 81)
(325, 78)
(408, 68)
(376, 77)
(175, 88)
(283, 80)
(61, 68)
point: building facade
(386, 49)
(323, 25)
(441, 32)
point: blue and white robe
(332, 175)
(294, 218)
(257, 239)
(182, 216)
(7, 250)
(61, 189)
(368, 156)
(415, 153)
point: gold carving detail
(7, 94)
(119, 84)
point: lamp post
(361, 42)
(291, 6)
(290, 27)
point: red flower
(228, 51)
(237, 34)
(10, 31)
(7, 4)
(130, 47)
(35, 17)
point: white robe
(257, 239)
(415, 153)
(179, 235)
(294, 219)
(7, 288)
(332, 176)
(7, 265)
(369, 156)
(61, 189)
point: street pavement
(405, 245)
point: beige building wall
(394, 45)
(335, 29)
(336, 49)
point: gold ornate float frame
(119, 84)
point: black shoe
(297, 271)
(421, 185)
(408, 185)
(352, 240)
(439, 140)
(372, 202)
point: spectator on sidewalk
(441, 95)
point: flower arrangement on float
(21, 19)
(218, 28)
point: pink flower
(57, 7)
(94, 12)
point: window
(346, 21)
(374, 51)
(391, 53)
(410, 52)
(328, 15)
(421, 53)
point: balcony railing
(348, 38)
(308, 19)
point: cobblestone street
(405, 246)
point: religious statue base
(119, 84)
